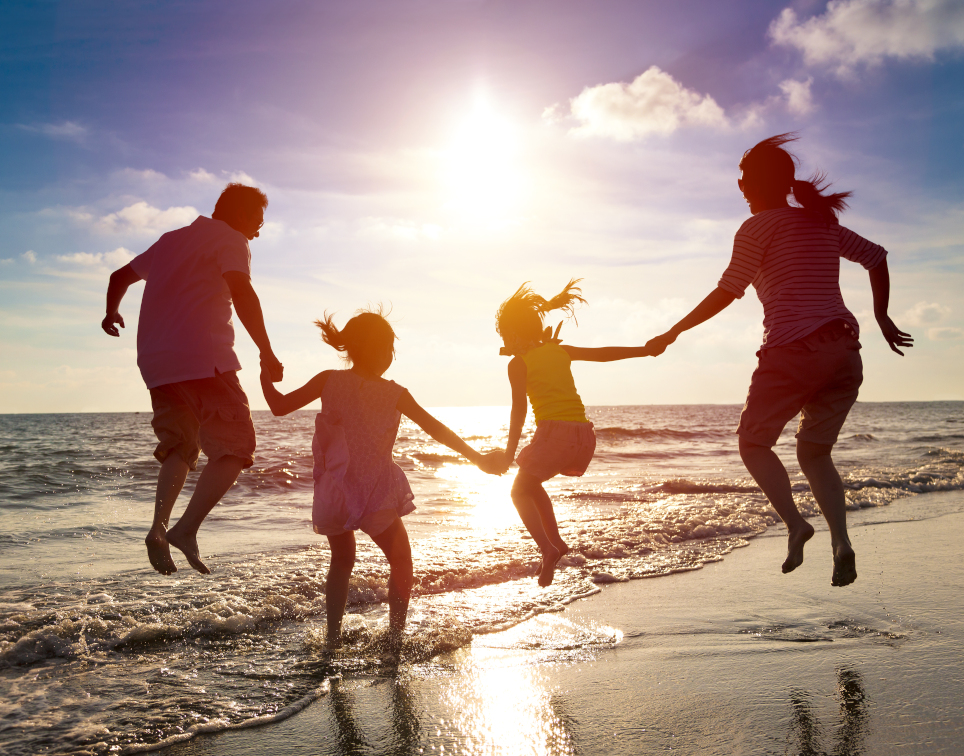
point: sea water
(100, 654)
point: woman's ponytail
(810, 195)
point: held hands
(893, 335)
(494, 463)
(657, 345)
(108, 323)
(272, 366)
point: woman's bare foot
(188, 544)
(795, 543)
(159, 553)
(549, 561)
(844, 566)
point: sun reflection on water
(487, 495)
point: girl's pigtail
(810, 195)
(565, 299)
(330, 333)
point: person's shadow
(854, 720)
(405, 729)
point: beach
(733, 658)
(99, 654)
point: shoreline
(735, 659)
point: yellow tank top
(550, 387)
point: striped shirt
(792, 258)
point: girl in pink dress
(357, 484)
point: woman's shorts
(559, 447)
(818, 376)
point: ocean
(99, 654)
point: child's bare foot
(549, 561)
(159, 553)
(795, 542)
(188, 544)
(844, 566)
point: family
(809, 364)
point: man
(185, 341)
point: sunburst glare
(483, 175)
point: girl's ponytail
(565, 299)
(362, 338)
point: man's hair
(239, 201)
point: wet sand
(735, 658)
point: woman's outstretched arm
(880, 286)
(715, 302)
(283, 404)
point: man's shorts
(818, 376)
(207, 413)
(559, 447)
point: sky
(432, 155)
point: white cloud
(653, 103)
(115, 259)
(799, 97)
(68, 130)
(144, 219)
(397, 229)
(925, 313)
(30, 256)
(855, 32)
(202, 175)
(945, 334)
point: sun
(483, 178)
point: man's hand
(272, 366)
(657, 345)
(108, 324)
(893, 335)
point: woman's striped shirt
(792, 258)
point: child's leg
(170, 481)
(828, 490)
(770, 474)
(336, 587)
(394, 542)
(535, 508)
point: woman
(809, 362)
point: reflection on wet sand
(403, 738)
(850, 734)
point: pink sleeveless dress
(354, 474)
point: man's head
(242, 208)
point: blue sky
(435, 154)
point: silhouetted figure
(564, 441)
(357, 484)
(185, 351)
(809, 362)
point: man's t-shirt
(185, 330)
(792, 258)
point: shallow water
(100, 654)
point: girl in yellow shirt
(564, 441)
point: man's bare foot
(188, 544)
(549, 561)
(795, 542)
(159, 553)
(844, 566)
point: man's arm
(880, 286)
(714, 303)
(248, 307)
(120, 281)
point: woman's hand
(657, 345)
(893, 335)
